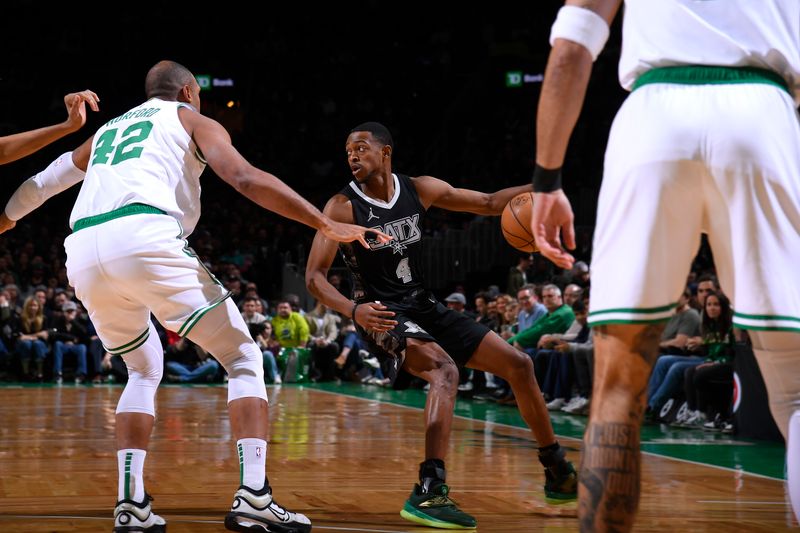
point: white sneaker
(372, 361)
(556, 404)
(696, 419)
(465, 387)
(277, 380)
(130, 516)
(577, 406)
(583, 408)
(258, 511)
(569, 404)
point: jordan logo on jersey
(372, 215)
(405, 231)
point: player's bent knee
(245, 373)
(139, 395)
(224, 334)
(519, 366)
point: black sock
(553, 458)
(432, 474)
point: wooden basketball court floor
(347, 455)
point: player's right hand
(342, 232)
(374, 316)
(76, 107)
(552, 222)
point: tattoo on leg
(646, 343)
(610, 475)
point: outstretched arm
(563, 91)
(19, 145)
(438, 193)
(369, 315)
(262, 187)
(67, 170)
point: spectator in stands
(291, 329)
(518, 275)
(709, 385)
(560, 371)
(324, 330)
(189, 363)
(69, 338)
(250, 313)
(558, 319)
(572, 293)
(270, 348)
(530, 309)
(458, 302)
(667, 376)
(32, 333)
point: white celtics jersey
(755, 33)
(143, 156)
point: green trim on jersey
(711, 75)
(124, 211)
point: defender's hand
(552, 222)
(339, 231)
(76, 107)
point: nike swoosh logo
(283, 514)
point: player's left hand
(76, 107)
(339, 231)
(6, 223)
(552, 223)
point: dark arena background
(458, 88)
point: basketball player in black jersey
(402, 320)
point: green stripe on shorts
(766, 322)
(632, 315)
(135, 343)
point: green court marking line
(759, 458)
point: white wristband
(59, 176)
(582, 26)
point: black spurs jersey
(393, 270)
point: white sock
(131, 477)
(252, 462)
(793, 463)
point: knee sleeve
(145, 369)
(778, 355)
(223, 333)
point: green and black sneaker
(562, 487)
(435, 509)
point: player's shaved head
(378, 131)
(166, 79)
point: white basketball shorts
(689, 159)
(128, 267)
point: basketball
(516, 222)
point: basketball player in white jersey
(707, 142)
(19, 145)
(127, 257)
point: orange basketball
(516, 223)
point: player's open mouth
(355, 168)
